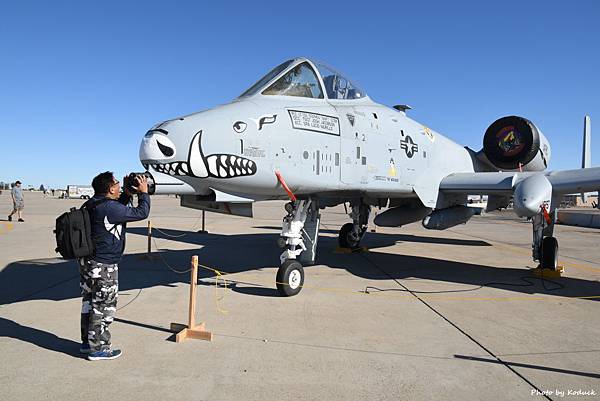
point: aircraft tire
(344, 237)
(290, 278)
(550, 253)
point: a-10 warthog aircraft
(306, 133)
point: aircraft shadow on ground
(41, 338)
(56, 279)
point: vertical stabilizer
(586, 156)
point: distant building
(575, 200)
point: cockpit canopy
(303, 78)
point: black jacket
(109, 218)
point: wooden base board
(183, 332)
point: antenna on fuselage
(402, 108)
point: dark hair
(18, 182)
(102, 182)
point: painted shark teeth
(198, 165)
(229, 166)
(221, 166)
(173, 168)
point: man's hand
(142, 182)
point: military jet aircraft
(306, 133)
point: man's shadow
(41, 338)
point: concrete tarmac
(424, 315)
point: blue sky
(82, 81)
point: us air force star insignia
(409, 146)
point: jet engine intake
(445, 218)
(513, 143)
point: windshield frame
(257, 88)
(315, 74)
(292, 63)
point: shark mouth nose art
(215, 165)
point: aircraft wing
(503, 183)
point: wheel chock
(360, 249)
(548, 273)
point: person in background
(18, 202)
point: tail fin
(586, 156)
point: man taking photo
(99, 274)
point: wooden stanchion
(192, 330)
(149, 255)
(203, 231)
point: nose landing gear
(299, 235)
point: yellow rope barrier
(6, 227)
(392, 293)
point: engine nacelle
(515, 141)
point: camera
(130, 182)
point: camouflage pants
(99, 283)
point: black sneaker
(21, 221)
(85, 348)
(9, 218)
(104, 355)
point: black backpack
(74, 232)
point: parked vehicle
(80, 191)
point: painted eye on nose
(166, 150)
(239, 127)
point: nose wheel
(290, 278)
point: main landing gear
(544, 246)
(352, 233)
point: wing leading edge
(504, 183)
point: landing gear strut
(352, 233)
(299, 234)
(544, 246)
